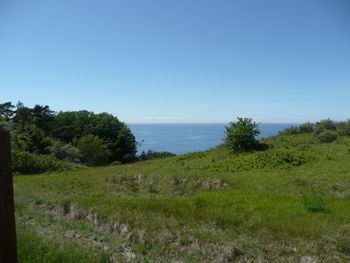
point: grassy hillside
(287, 204)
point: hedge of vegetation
(324, 130)
(46, 141)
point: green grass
(32, 248)
(280, 205)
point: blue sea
(183, 138)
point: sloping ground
(287, 204)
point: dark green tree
(93, 151)
(42, 117)
(240, 135)
(31, 139)
(23, 115)
(6, 110)
(71, 126)
(124, 148)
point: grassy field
(287, 204)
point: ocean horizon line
(175, 123)
(210, 123)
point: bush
(290, 130)
(31, 139)
(303, 128)
(325, 125)
(270, 159)
(154, 155)
(115, 163)
(326, 136)
(314, 202)
(240, 135)
(65, 152)
(325, 131)
(343, 128)
(306, 127)
(30, 163)
(93, 151)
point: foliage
(23, 115)
(314, 202)
(32, 248)
(72, 125)
(40, 130)
(9, 125)
(201, 200)
(290, 131)
(303, 128)
(64, 151)
(306, 127)
(42, 117)
(326, 136)
(114, 163)
(240, 135)
(326, 124)
(6, 110)
(154, 155)
(325, 131)
(275, 158)
(124, 148)
(30, 163)
(343, 128)
(31, 139)
(93, 151)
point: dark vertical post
(8, 249)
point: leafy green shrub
(326, 124)
(154, 155)
(326, 136)
(31, 139)
(30, 163)
(290, 130)
(325, 131)
(93, 151)
(240, 135)
(343, 128)
(306, 127)
(115, 163)
(314, 202)
(64, 151)
(270, 159)
(303, 128)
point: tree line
(241, 134)
(45, 140)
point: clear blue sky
(180, 60)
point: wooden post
(8, 247)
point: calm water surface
(183, 138)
